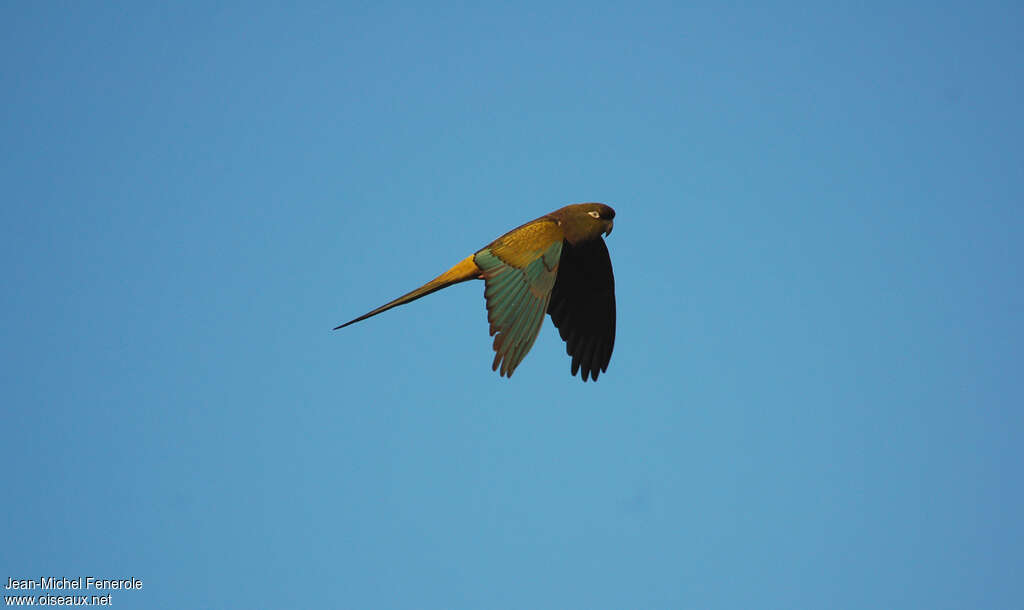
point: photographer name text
(84, 583)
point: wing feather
(517, 298)
(583, 306)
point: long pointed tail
(464, 270)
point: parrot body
(557, 264)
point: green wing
(517, 298)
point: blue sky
(815, 395)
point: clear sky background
(815, 396)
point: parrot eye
(594, 213)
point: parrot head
(582, 222)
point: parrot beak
(608, 227)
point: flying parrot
(557, 264)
